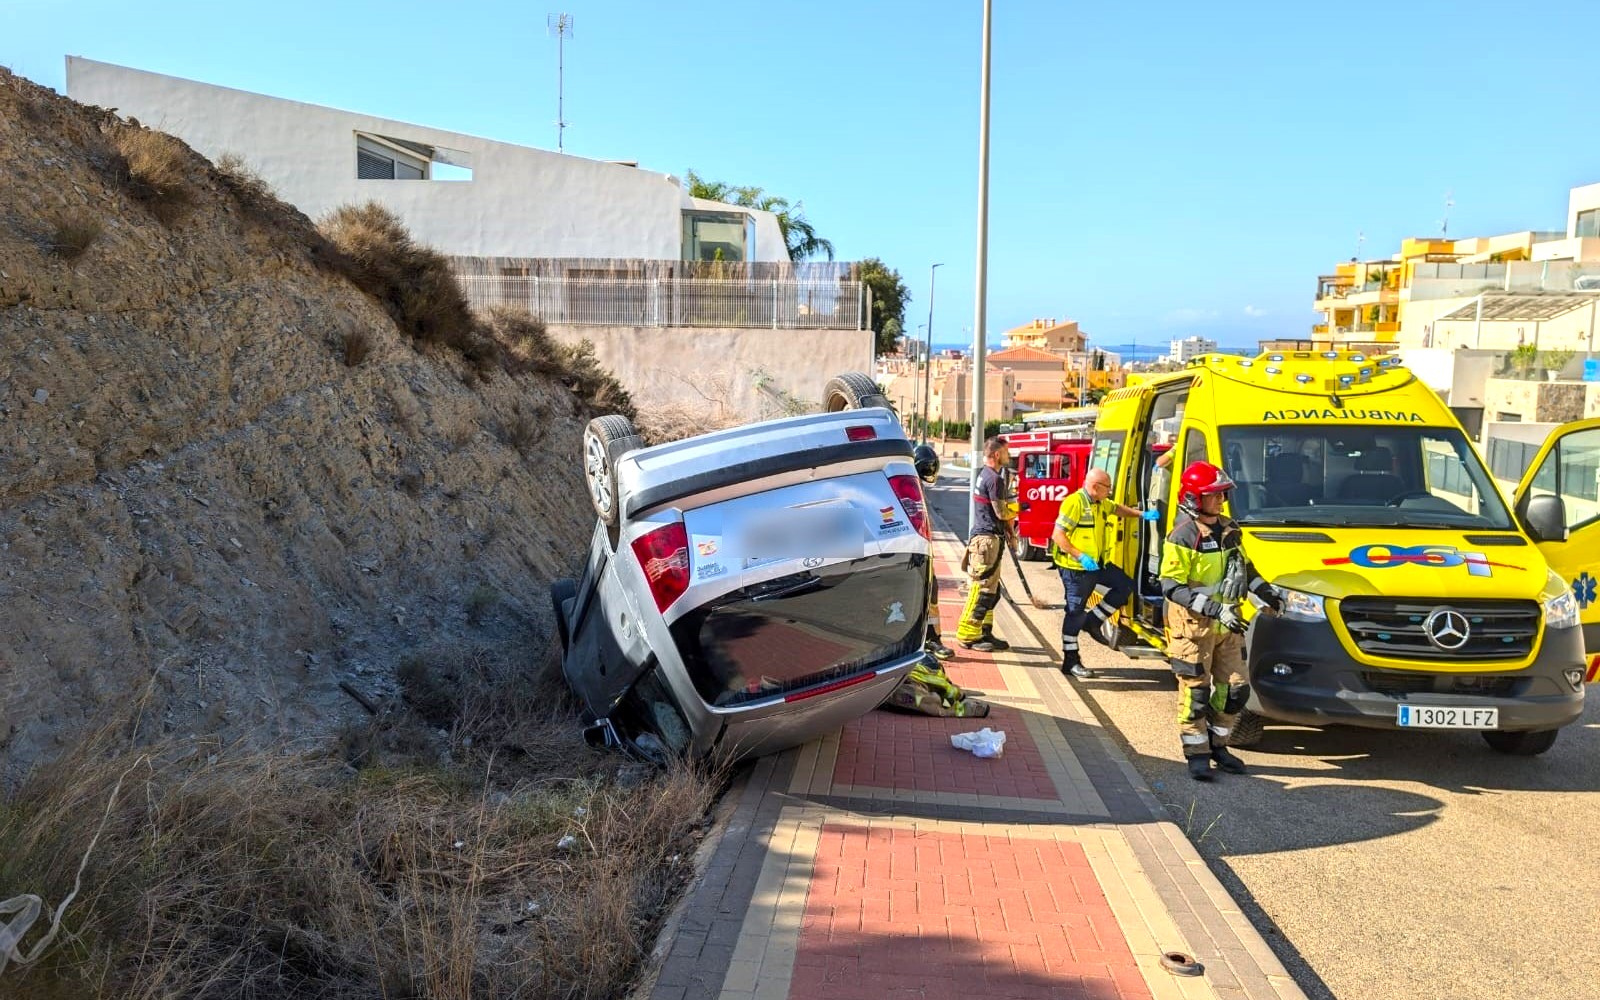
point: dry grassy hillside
(226, 475)
(277, 520)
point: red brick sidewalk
(882, 863)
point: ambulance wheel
(1530, 743)
(852, 391)
(1248, 729)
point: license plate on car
(1430, 717)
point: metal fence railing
(661, 302)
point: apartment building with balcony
(1420, 296)
(1060, 337)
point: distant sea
(1129, 352)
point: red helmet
(1201, 479)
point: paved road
(1380, 864)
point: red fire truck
(1050, 463)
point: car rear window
(805, 628)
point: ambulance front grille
(1397, 629)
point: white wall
(1581, 199)
(747, 372)
(1460, 376)
(521, 202)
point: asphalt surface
(1378, 864)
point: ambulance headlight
(1561, 612)
(1302, 607)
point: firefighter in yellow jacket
(992, 526)
(1204, 578)
(1080, 541)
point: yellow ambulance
(1416, 596)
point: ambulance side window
(1571, 470)
(1194, 448)
(1107, 451)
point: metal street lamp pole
(916, 393)
(927, 360)
(979, 364)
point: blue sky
(1157, 169)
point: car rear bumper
(1327, 686)
(809, 713)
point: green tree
(889, 299)
(800, 237)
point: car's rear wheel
(1530, 743)
(852, 391)
(1248, 729)
(605, 440)
(562, 591)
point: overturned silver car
(750, 589)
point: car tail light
(664, 555)
(862, 432)
(909, 490)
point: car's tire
(1529, 743)
(852, 391)
(562, 591)
(1248, 729)
(605, 440)
(1032, 552)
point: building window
(378, 162)
(1588, 223)
(714, 236)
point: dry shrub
(357, 346)
(480, 602)
(459, 431)
(223, 875)
(253, 194)
(412, 282)
(676, 421)
(156, 171)
(524, 429)
(526, 346)
(72, 235)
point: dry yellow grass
(72, 235)
(157, 171)
(520, 865)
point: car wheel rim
(594, 464)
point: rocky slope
(205, 511)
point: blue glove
(1150, 515)
(1089, 563)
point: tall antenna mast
(1361, 241)
(560, 25)
(1449, 203)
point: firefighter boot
(1200, 767)
(1072, 666)
(1224, 757)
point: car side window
(1036, 466)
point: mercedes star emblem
(1447, 628)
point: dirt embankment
(228, 480)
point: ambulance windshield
(1368, 475)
